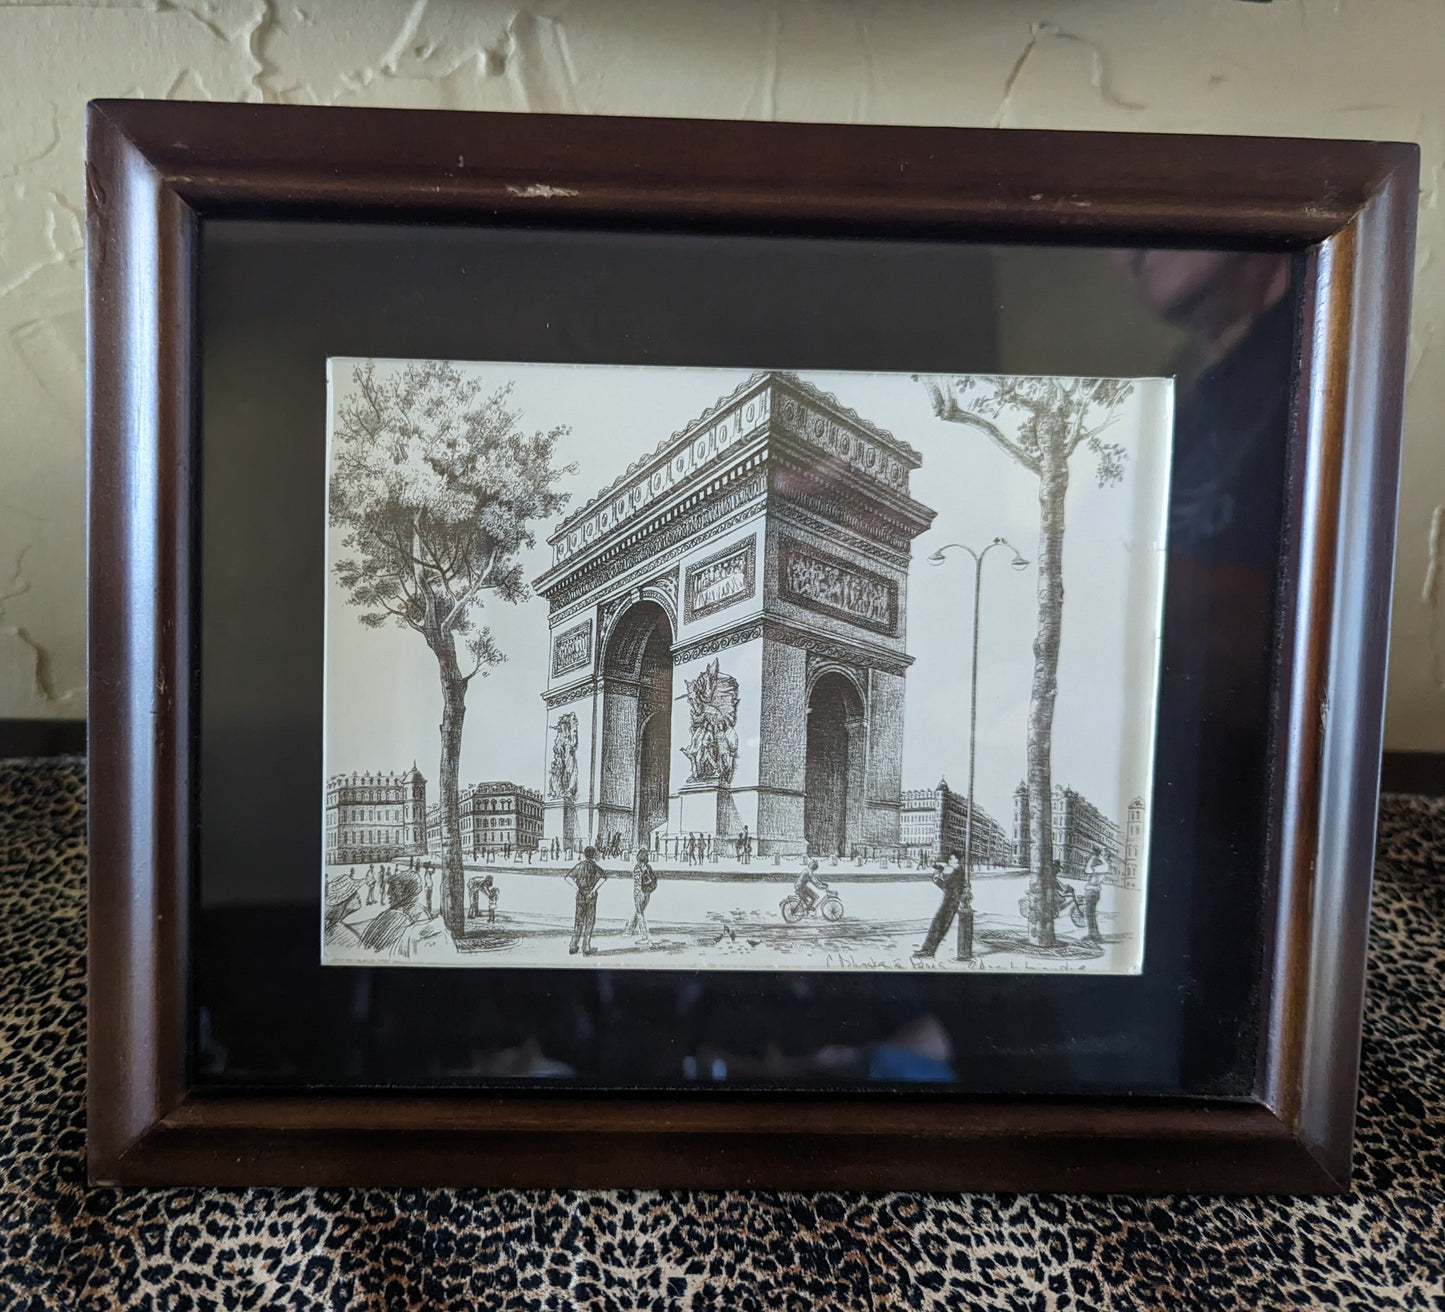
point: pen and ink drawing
(680, 722)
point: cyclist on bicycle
(806, 884)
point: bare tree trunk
(1043, 887)
(454, 709)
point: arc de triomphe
(728, 633)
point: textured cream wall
(1347, 68)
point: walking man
(430, 887)
(745, 845)
(644, 884)
(957, 897)
(588, 877)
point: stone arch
(665, 597)
(836, 763)
(636, 746)
(615, 608)
(819, 668)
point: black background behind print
(278, 299)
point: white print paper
(653, 668)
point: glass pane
(279, 299)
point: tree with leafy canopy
(436, 488)
(1040, 423)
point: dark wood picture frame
(155, 171)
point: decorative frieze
(844, 442)
(572, 649)
(565, 696)
(716, 642)
(721, 580)
(833, 586)
(689, 458)
(664, 543)
(857, 652)
(826, 515)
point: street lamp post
(965, 913)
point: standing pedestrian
(430, 881)
(957, 896)
(486, 885)
(371, 886)
(587, 875)
(745, 843)
(1094, 873)
(644, 884)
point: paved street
(730, 919)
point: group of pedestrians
(378, 882)
(375, 883)
(403, 926)
(485, 887)
(379, 886)
(693, 848)
(953, 880)
(588, 877)
(500, 852)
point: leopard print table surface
(67, 1246)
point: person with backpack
(644, 884)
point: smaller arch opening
(834, 766)
(636, 726)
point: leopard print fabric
(67, 1246)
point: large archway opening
(636, 727)
(834, 766)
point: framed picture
(665, 653)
